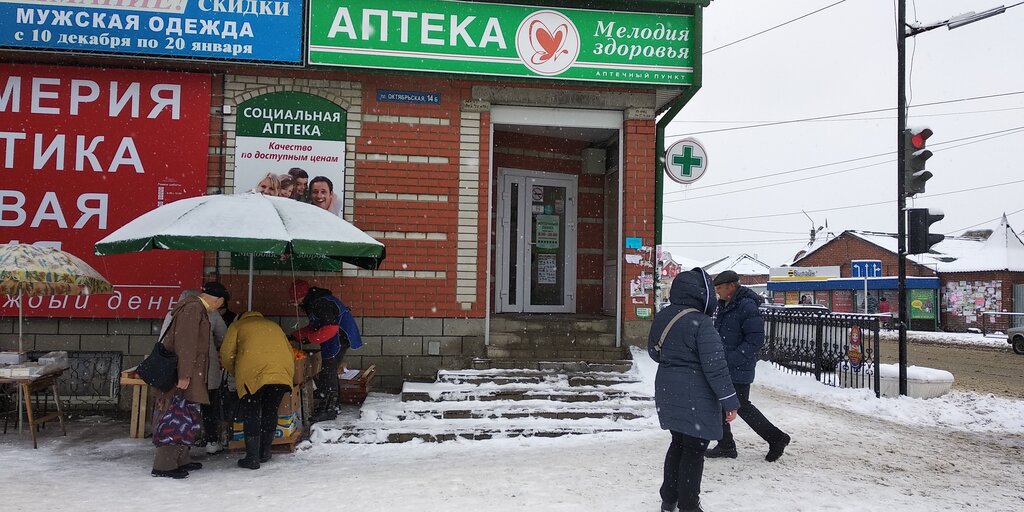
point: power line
(779, 183)
(781, 173)
(990, 136)
(736, 243)
(847, 114)
(1007, 131)
(732, 227)
(849, 207)
(961, 230)
(773, 28)
(883, 118)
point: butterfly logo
(547, 43)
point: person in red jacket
(332, 326)
(886, 309)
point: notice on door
(546, 236)
(547, 269)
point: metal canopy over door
(536, 242)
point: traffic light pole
(901, 196)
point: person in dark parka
(692, 387)
(742, 328)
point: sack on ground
(160, 368)
(179, 423)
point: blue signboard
(426, 98)
(234, 30)
(865, 268)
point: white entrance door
(536, 242)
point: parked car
(1015, 337)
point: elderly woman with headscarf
(692, 386)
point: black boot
(252, 454)
(775, 449)
(720, 451)
(695, 509)
(327, 410)
(266, 443)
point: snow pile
(918, 373)
(957, 410)
(993, 340)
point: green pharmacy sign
(504, 40)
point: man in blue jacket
(332, 326)
(742, 329)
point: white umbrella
(246, 223)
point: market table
(31, 385)
(142, 406)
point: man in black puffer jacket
(739, 322)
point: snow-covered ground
(992, 340)
(850, 451)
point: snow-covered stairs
(545, 400)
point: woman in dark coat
(692, 387)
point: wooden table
(142, 406)
(31, 385)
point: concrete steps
(564, 398)
(546, 337)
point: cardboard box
(307, 367)
(287, 426)
(307, 396)
(290, 403)
(289, 417)
(13, 357)
(300, 371)
(314, 362)
(56, 359)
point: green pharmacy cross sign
(493, 39)
(686, 161)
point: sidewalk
(839, 460)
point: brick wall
(402, 348)
(638, 211)
(965, 295)
(417, 181)
(847, 247)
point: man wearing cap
(740, 324)
(332, 326)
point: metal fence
(839, 349)
(92, 380)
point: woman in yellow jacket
(257, 353)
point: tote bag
(179, 424)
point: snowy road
(975, 368)
(838, 461)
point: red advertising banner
(84, 151)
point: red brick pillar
(638, 175)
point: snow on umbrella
(246, 223)
(35, 270)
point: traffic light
(919, 221)
(914, 158)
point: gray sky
(843, 60)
